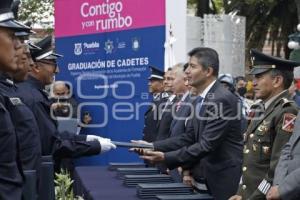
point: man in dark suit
(212, 136)
(182, 109)
(152, 114)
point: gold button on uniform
(244, 187)
(244, 169)
(251, 135)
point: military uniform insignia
(263, 127)
(266, 150)
(245, 137)
(254, 147)
(288, 122)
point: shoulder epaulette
(286, 102)
(256, 104)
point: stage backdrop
(107, 47)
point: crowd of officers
(27, 130)
(202, 127)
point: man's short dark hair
(288, 76)
(238, 78)
(185, 66)
(207, 57)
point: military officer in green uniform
(270, 128)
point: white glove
(95, 138)
(106, 144)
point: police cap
(46, 50)
(7, 17)
(156, 74)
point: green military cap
(262, 63)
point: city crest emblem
(135, 44)
(78, 49)
(109, 46)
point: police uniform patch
(16, 101)
(288, 122)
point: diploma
(132, 145)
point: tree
(206, 6)
(265, 19)
(37, 12)
(274, 18)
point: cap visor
(15, 25)
(33, 47)
(255, 71)
(22, 34)
(155, 78)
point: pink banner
(80, 17)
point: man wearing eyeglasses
(59, 145)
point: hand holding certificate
(133, 145)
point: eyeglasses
(48, 63)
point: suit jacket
(287, 173)
(179, 122)
(60, 145)
(265, 138)
(215, 140)
(166, 117)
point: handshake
(105, 143)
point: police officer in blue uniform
(151, 116)
(10, 166)
(60, 145)
(23, 119)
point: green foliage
(217, 5)
(63, 188)
(273, 20)
(36, 11)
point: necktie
(199, 101)
(178, 105)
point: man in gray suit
(286, 183)
(183, 107)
